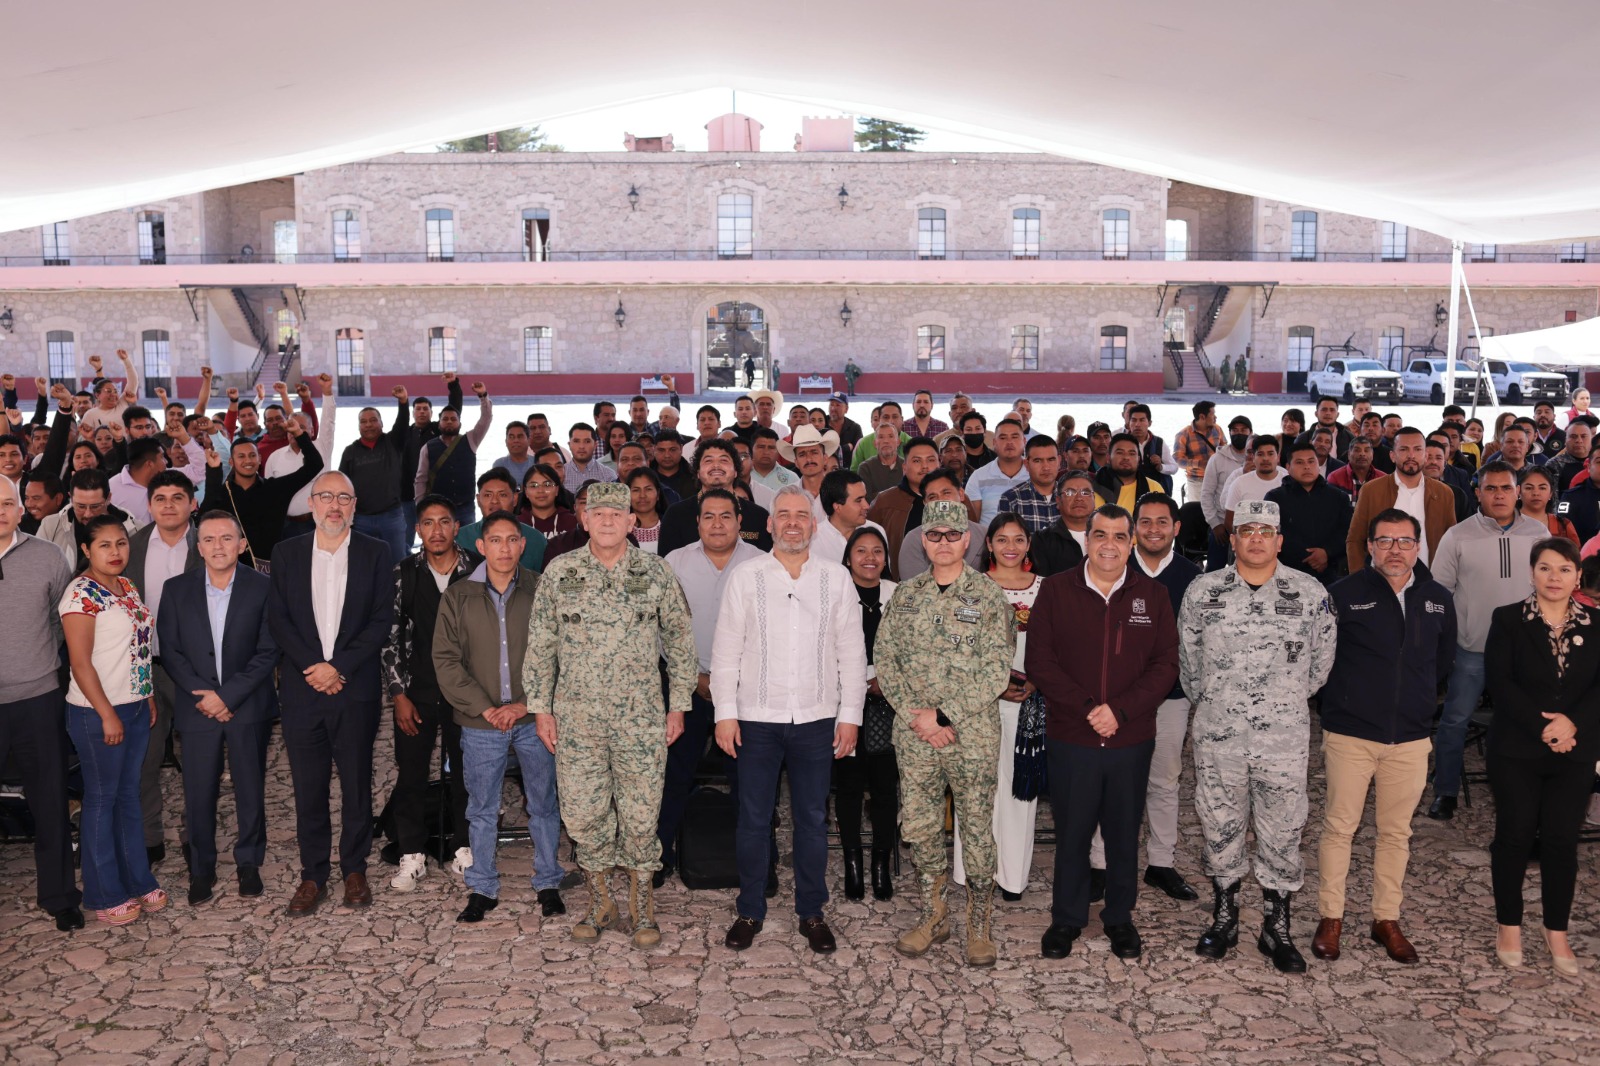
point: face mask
(973, 440)
(1239, 440)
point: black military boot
(1275, 942)
(1224, 931)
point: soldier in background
(1255, 640)
(943, 657)
(601, 714)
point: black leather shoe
(200, 889)
(1443, 809)
(659, 878)
(818, 935)
(68, 919)
(250, 881)
(1125, 942)
(854, 883)
(1097, 885)
(1169, 881)
(1057, 941)
(882, 873)
(477, 906)
(742, 933)
(1010, 896)
(550, 902)
(156, 854)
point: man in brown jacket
(478, 648)
(1429, 502)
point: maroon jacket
(1083, 651)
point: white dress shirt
(828, 543)
(1414, 502)
(161, 561)
(789, 650)
(330, 572)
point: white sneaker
(459, 864)
(413, 868)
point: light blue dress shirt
(217, 601)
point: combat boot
(602, 909)
(1224, 931)
(935, 925)
(1275, 942)
(642, 910)
(980, 913)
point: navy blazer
(243, 680)
(363, 622)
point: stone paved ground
(237, 983)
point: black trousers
(1542, 798)
(413, 758)
(151, 802)
(204, 741)
(1090, 787)
(877, 776)
(682, 757)
(34, 732)
(318, 740)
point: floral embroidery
(1562, 637)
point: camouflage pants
(1251, 779)
(969, 767)
(609, 775)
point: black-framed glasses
(345, 499)
(1403, 543)
(944, 536)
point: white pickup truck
(1525, 383)
(1355, 379)
(1424, 382)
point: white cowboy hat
(759, 394)
(805, 436)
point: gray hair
(792, 489)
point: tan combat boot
(642, 909)
(602, 910)
(935, 925)
(980, 913)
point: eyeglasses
(1075, 493)
(1403, 543)
(944, 536)
(1255, 532)
(345, 499)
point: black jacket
(243, 680)
(1581, 505)
(1520, 669)
(379, 471)
(1054, 550)
(1388, 664)
(364, 619)
(680, 525)
(1175, 579)
(1318, 517)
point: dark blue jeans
(388, 526)
(1450, 739)
(765, 749)
(111, 827)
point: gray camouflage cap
(1250, 512)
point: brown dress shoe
(357, 893)
(818, 935)
(1394, 941)
(306, 898)
(742, 933)
(1325, 945)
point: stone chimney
(733, 132)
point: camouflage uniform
(1250, 660)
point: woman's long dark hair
(87, 532)
(645, 472)
(1001, 520)
(864, 531)
(563, 497)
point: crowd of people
(886, 614)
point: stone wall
(101, 322)
(116, 233)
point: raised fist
(480, 389)
(41, 385)
(61, 394)
(278, 386)
(325, 379)
(206, 372)
(399, 393)
(161, 394)
(122, 353)
(117, 430)
(233, 395)
(303, 391)
(96, 364)
(449, 376)
(8, 381)
(261, 392)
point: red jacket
(1083, 651)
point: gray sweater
(1485, 567)
(37, 576)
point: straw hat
(805, 436)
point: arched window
(61, 352)
(1024, 347)
(536, 349)
(738, 345)
(441, 229)
(1298, 355)
(735, 225)
(1025, 233)
(1177, 240)
(930, 232)
(347, 235)
(1303, 235)
(441, 349)
(930, 347)
(350, 355)
(1113, 347)
(152, 238)
(1114, 224)
(156, 345)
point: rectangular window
(441, 349)
(1177, 240)
(350, 355)
(1114, 233)
(1394, 242)
(441, 227)
(1575, 252)
(536, 235)
(1025, 233)
(1303, 236)
(347, 235)
(1391, 346)
(930, 232)
(1482, 253)
(1024, 347)
(735, 221)
(285, 240)
(1301, 339)
(1114, 348)
(57, 244)
(157, 345)
(536, 349)
(152, 238)
(62, 355)
(930, 347)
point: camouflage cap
(608, 494)
(945, 514)
(1249, 513)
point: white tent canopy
(1575, 344)
(1367, 106)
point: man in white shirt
(130, 485)
(288, 459)
(1254, 481)
(765, 469)
(1225, 462)
(992, 480)
(788, 681)
(702, 569)
(844, 501)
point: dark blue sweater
(1175, 579)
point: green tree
(881, 135)
(520, 139)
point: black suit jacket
(243, 680)
(363, 622)
(1520, 671)
(139, 551)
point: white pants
(1161, 798)
(1013, 818)
(1191, 489)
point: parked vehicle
(1356, 379)
(1424, 382)
(1526, 383)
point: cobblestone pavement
(236, 982)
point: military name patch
(909, 607)
(1211, 605)
(636, 586)
(968, 614)
(1289, 608)
(570, 584)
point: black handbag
(1030, 773)
(877, 726)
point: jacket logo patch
(1433, 608)
(1138, 606)
(969, 601)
